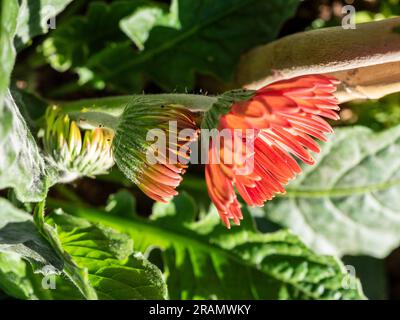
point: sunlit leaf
(36, 17)
(8, 25)
(115, 271)
(21, 165)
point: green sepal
(223, 105)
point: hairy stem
(114, 106)
(365, 59)
(321, 51)
(91, 120)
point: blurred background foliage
(103, 48)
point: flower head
(285, 116)
(157, 179)
(75, 152)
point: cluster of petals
(286, 117)
(159, 180)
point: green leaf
(20, 21)
(166, 213)
(390, 8)
(194, 36)
(8, 25)
(115, 271)
(94, 257)
(31, 107)
(14, 276)
(349, 202)
(138, 25)
(204, 260)
(35, 17)
(18, 280)
(122, 204)
(21, 165)
(76, 43)
(18, 235)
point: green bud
(73, 151)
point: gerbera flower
(286, 116)
(132, 145)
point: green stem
(92, 120)
(115, 105)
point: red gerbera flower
(286, 116)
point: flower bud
(131, 146)
(75, 152)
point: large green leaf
(35, 17)
(21, 165)
(115, 271)
(349, 202)
(194, 36)
(204, 260)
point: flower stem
(115, 105)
